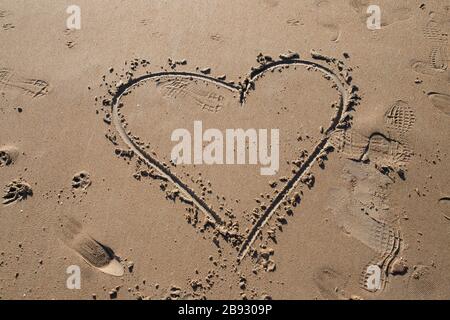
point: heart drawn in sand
(338, 80)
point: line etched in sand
(34, 87)
(347, 97)
(93, 252)
(149, 159)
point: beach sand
(88, 182)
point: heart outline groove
(348, 98)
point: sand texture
(89, 182)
